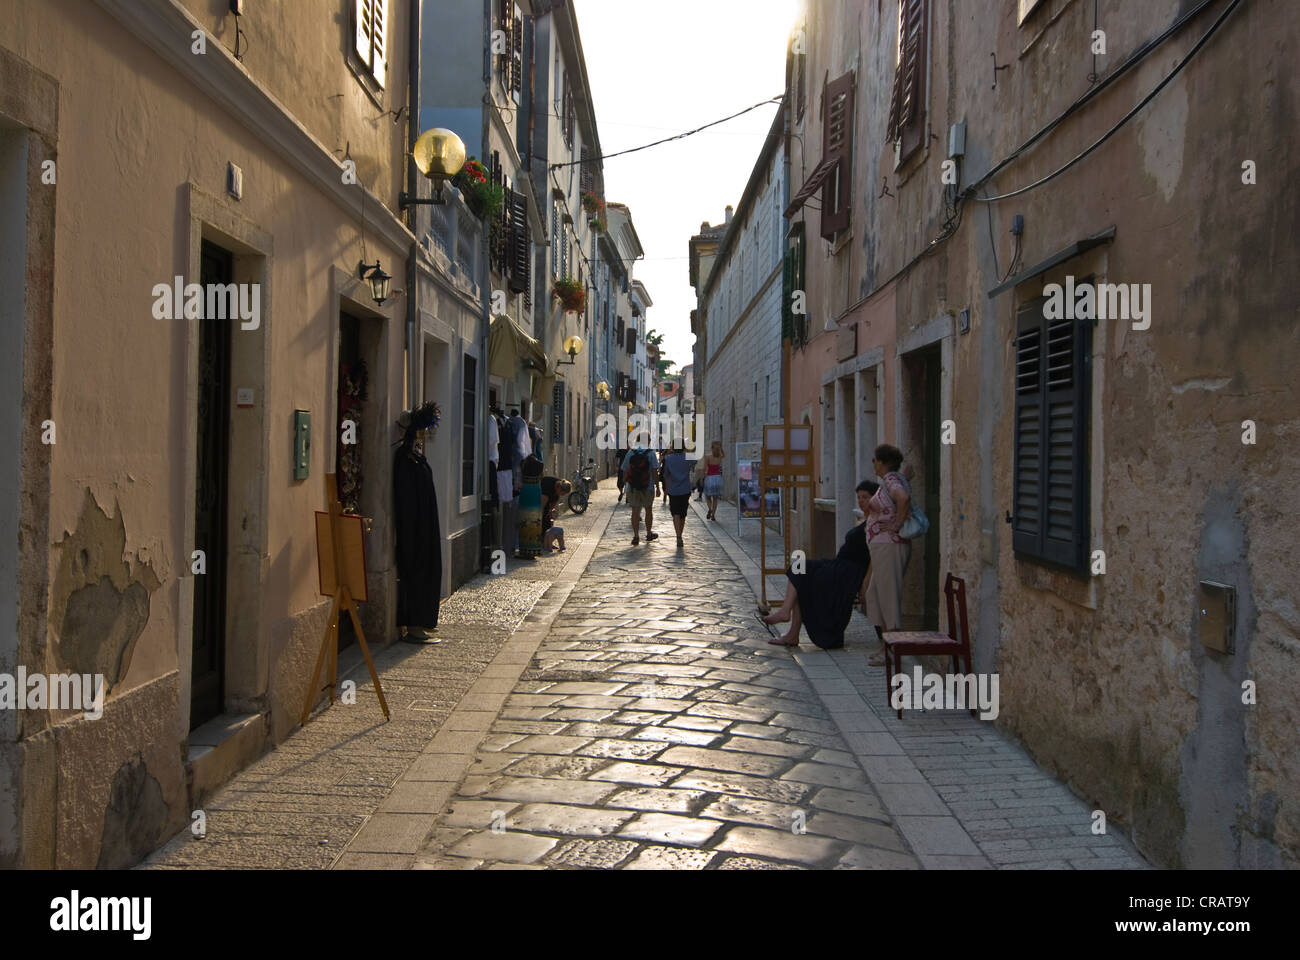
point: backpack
(638, 470)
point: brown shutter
(588, 172)
(837, 146)
(907, 107)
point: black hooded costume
(419, 536)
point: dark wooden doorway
(930, 438)
(211, 493)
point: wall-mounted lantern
(378, 280)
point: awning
(811, 185)
(511, 350)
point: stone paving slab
(956, 786)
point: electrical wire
(1227, 11)
(680, 136)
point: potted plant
(483, 197)
(595, 207)
(572, 295)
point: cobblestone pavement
(655, 727)
(303, 802)
(964, 793)
(619, 706)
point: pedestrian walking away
(821, 598)
(713, 479)
(677, 486)
(622, 483)
(640, 472)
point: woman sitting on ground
(821, 599)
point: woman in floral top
(886, 513)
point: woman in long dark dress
(822, 598)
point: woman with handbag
(892, 521)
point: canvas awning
(511, 350)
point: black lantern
(378, 280)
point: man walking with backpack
(640, 472)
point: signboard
(351, 552)
(748, 459)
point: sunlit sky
(662, 68)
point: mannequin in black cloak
(419, 537)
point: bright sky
(663, 68)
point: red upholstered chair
(899, 644)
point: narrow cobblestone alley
(619, 706)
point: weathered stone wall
(1105, 678)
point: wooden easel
(786, 465)
(343, 600)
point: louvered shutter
(517, 56)
(1050, 486)
(365, 20)
(588, 177)
(906, 109)
(837, 146)
(379, 33)
(520, 243)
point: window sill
(367, 82)
(1075, 588)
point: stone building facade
(167, 522)
(1086, 474)
(739, 301)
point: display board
(748, 462)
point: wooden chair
(901, 644)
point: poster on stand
(748, 461)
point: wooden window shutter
(516, 55)
(907, 106)
(365, 24)
(837, 147)
(588, 172)
(1050, 510)
(520, 244)
(379, 34)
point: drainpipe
(413, 389)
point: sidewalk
(330, 783)
(962, 792)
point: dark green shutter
(1050, 512)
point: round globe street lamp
(602, 390)
(573, 347)
(439, 154)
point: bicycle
(584, 481)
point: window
(1053, 371)
(907, 106)
(794, 325)
(371, 43)
(519, 243)
(511, 61)
(469, 414)
(567, 116)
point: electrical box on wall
(1216, 616)
(301, 444)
